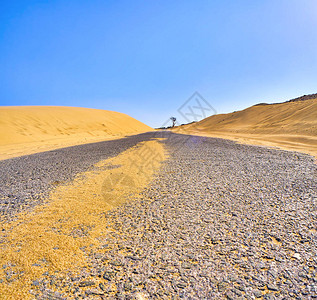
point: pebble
(86, 283)
(27, 180)
(202, 229)
(297, 256)
(272, 287)
(36, 283)
(257, 293)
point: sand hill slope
(30, 129)
(289, 125)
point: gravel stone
(234, 213)
(27, 180)
(86, 283)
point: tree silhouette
(173, 119)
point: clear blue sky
(145, 58)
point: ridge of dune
(31, 129)
(290, 125)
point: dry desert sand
(77, 205)
(31, 129)
(57, 236)
(290, 125)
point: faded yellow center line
(50, 237)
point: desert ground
(149, 214)
(32, 129)
(291, 125)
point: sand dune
(290, 125)
(30, 129)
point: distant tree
(173, 119)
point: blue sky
(146, 58)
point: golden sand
(290, 126)
(73, 217)
(31, 129)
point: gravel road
(219, 221)
(26, 181)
